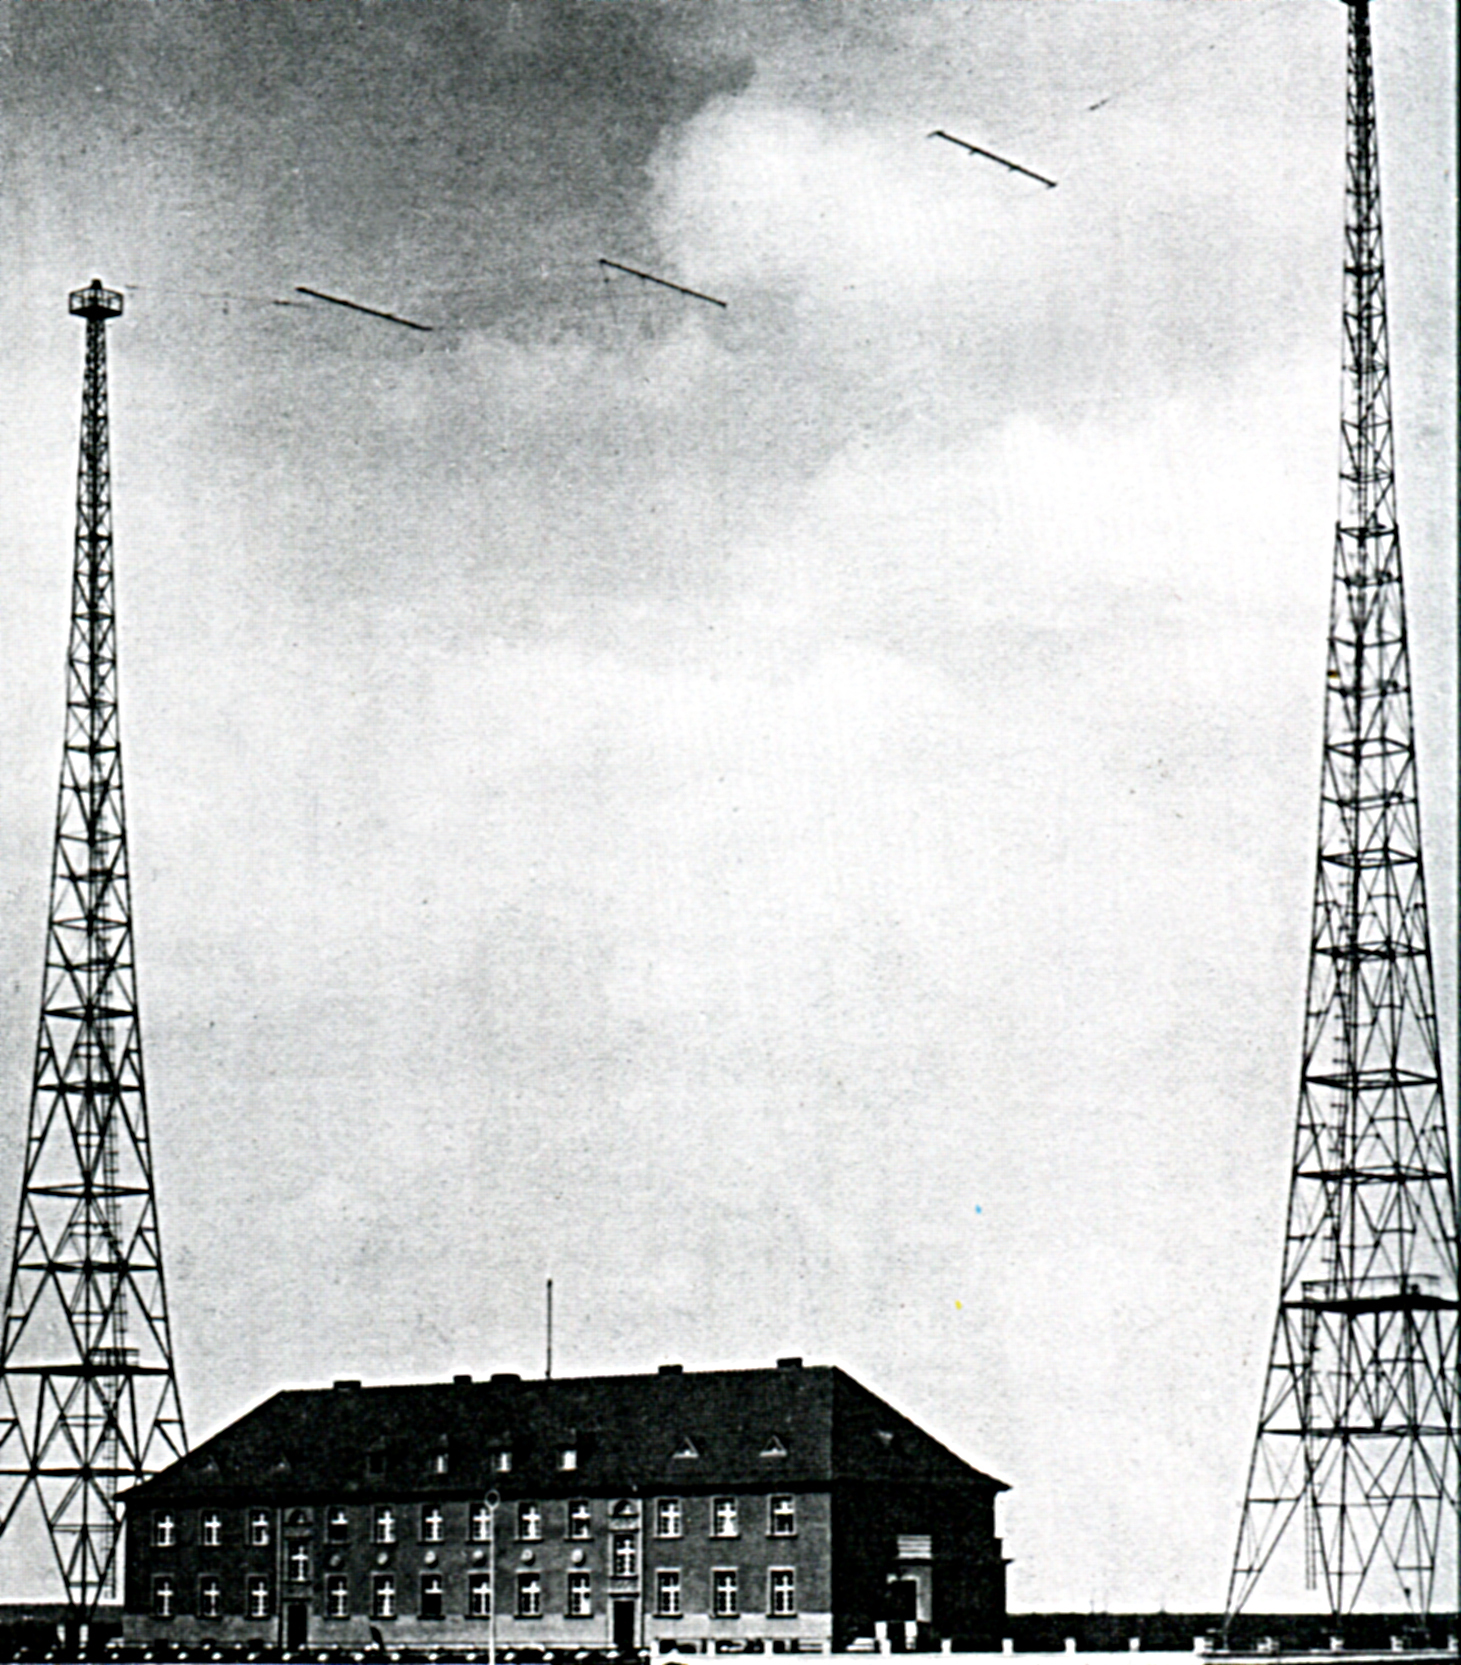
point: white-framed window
(337, 1596)
(298, 1559)
(783, 1517)
(530, 1595)
(164, 1596)
(580, 1518)
(725, 1518)
(210, 1597)
(668, 1594)
(164, 1530)
(781, 1592)
(567, 1458)
(580, 1596)
(433, 1595)
(479, 1528)
(502, 1462)
(440, 1463)
(626, 1555)
(669, 1517)
(337, 1524)
(431, 1524)
(479, 1596)
(384, 1524)
(210, 1530)
(258, 1532)
(530, 1522)
(259, 1599)
(383, 1596)
(725, 1584)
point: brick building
(785, 1510)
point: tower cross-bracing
(90, 1402)
(1357, 1443)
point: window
(479, 1596)
(580, 1519)
(667, 1597)
(337, 1596)
(164, 1593)
(210, 1530)
(299, 1563)
(210, 1598)
(164, 1531)
(686, 1451)
(724, 1518)
(568, 1458)
(529, 1522)
(669, 1518)
(431, 1524)
(439, 1464)
(385, 1524)
(481, 1526)
(502, 1462)
(530, 1595)
(580, 1596)
(626, 1555)
(337, 1524)
(727, 1598)
(383, 1596)
(781, 1593)
(432, 1595)
(259, 1602)
(783, 1517)
(259, 1530)
(773, 1447)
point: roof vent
(347, 1387)
(788, 1364)
(462, 1381)
(672, 1370)
(505, 1376)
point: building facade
(785, 1510)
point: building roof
(670, 1431)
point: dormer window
(686, 1451)
(567, 1458)
(773, 1447)
(439, 1463)
(502, 1462)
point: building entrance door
(624, 1638)
(296, 1624)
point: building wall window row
(669, 1518)
(210, 1597)
(724, 1518)
(781, 1593)
(164, 1595)
(479, 1596)
(383, 1596)
(210, 1530)
(337, 1596)
(580, 1518)
(260, 1597)
(164, 1530)
(580, 1596)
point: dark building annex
(786, 1510)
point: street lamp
(492, 1500)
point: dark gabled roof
(626, 1431)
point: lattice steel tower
(1358, 1433)
(90, 1396)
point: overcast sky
(795, 821)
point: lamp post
(492, 1500)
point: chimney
(672, 1370)
(788, 1364)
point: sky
(795, 820)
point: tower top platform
(95, 302)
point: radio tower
(1358, 1433)
(90, 1400)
